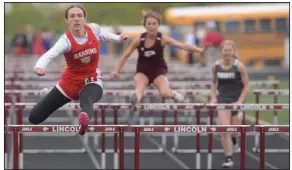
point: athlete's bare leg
(224, 118)
(141, 82)
(162, 84)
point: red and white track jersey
(82, 59)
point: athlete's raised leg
(90, 94)
(162, 84)
(45, 107)
(141, 82)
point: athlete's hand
(123, 37)
(205, 47)
(114, 74)
(39, 71)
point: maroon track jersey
(151, 60)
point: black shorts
(153, 75)
(222, 101)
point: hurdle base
(159, 150)
(177, 150)
(5, 160)
(257, 150)
(83, 150)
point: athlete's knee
(86, 101)
(165, 92)
(140, 85)
(34, 119)
(91, 93)
(140, 88)
(141, 81)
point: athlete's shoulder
(217, 63)
(241, 65)
(64, 38)
(142, 35)
(95, 28)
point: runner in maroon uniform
(151, 66)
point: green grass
(283, 116)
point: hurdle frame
(175, 106)
(19, 120)
(258, 93)
(18, 129)
(137, 129)
(263, 129)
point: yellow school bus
(258, 29)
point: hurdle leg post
(198, 154)
(163, 137)
(210, 141)
(142, 120)
(175, 136)
(243, 118)
(115, 140)
(95, 138)
(275, 121)
(242, 148)
(257, 112)
(276, 86)
(15, 148)
(151, 120)
(262, 148)
(103, 156)
(20, 122)
(137, 148)
(5, 139)
(256, 136)
(18, 98)
(208, 118)
(142, 113)
(121, 148)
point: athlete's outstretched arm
(245, 81)
(113, 37)
(213, 86)
(127, 53)
(168, 40)
(107, 36)
(59, 48)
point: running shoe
(83, 123)
(228, 163)
(134, 102)
(180, 98)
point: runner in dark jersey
(151, 66)
(230, 80)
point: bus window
(249, 26)
(232, 26)
(281, 24)
(199, 24)
(265, 25)
(218, 26)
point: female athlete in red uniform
(151, 66)
(81, 79)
